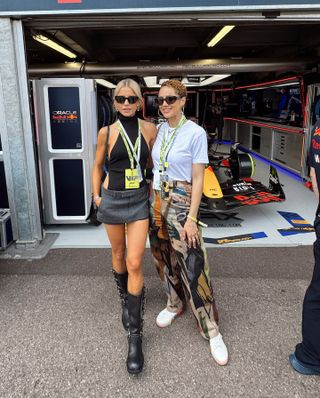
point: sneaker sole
(177, 315)
(221, 363)
(300, 368)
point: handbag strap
(106, 157)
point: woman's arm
(197, 188)
(190, 228)
(314, 182)
(150, 132)
(98, 165)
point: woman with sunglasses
(179, 155)
(123, 149)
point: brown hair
(178, 87)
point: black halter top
(119, 159)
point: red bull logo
(72, 117)
(315, 144)
(317, 131)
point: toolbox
(6, 236)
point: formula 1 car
(228, 183)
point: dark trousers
(308, 351)
(217, 124)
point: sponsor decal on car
(242, 186)
(257, 198)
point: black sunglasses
(170, 99)
(121, 99)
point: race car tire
(242, 166)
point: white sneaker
(219, 350)
(165, 317)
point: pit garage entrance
(269, 49)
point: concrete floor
(61, 334)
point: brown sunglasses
(169, 99)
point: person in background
(306, 359)
(316, 109)
(217, 122)
(179, 155)
(283, 104)
(122, 200)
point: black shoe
(299, 367)
(122, 283)
(135, 358)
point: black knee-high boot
(122, 283)
(135, 355)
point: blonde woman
(124, 149)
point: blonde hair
(131, 84)
(178, 87)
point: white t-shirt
(189, 147)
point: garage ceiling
(119, 40)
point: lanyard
(134, 152)
(166, 144)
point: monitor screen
(190, 109)
(280, 103)
(150, 106)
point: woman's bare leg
(137, 236)
(117, 238)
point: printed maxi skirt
(184, 270)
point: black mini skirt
(121, 207)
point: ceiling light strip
(55, 46)
(220, 35)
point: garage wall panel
(52, 5)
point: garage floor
(259, 219)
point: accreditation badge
(156, 181)
(132, 179)
(164, 186)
